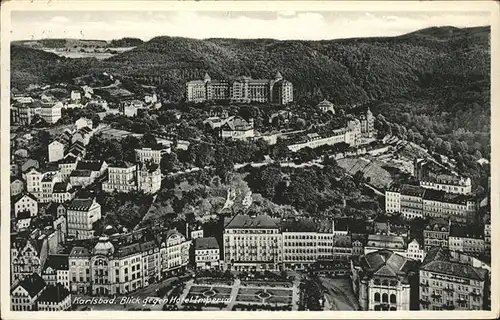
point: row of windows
(385, 297)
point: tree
(148, 140)
(169, 161)
(280, 150)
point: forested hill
(345, 71)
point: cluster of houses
(360, 125)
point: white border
(89, 5)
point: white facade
(415, 251)
(34, 183)
(147, 154)
(56, 151)
(21, 300)
(52, 113)
(81, 215)
(392, 201)
(48, 182)
(148, 180)
(16, 187)
(83, 122)
(26, 203)
(76, 95)
(460, 186)
(121, 179)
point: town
(236, 198)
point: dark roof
(438, 260)
(55, 293)
(33, 284)
(298, 225)
(68, 159)
(121, 164)
(60, 187)
(18, 197)
(85, 129)
(80, 173)
(386, 263)
(90, 165)
(463, 231)
(410, 190)
(128, 250)
(57, 262)
(80, 204)
(237, 124)
(79, 252)
(206, 243)
(48, 176)
(242, 221)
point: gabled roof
(33, 284)
(386, 263)
(79, 252)
(237, 124)
(18, 197)
(60, 187)
(57, 262)
(53, 294)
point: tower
(278, 76)
(207, 77)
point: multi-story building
(81, 178)
(411, 201)
(82, 135)
(56, 151)
(121, 178)
(415, 251)
(97, 168)
(56, 270)
(436, 233)
(435, 176)
(66, 166)
(466, 239)
(79, 270)
(252, 243)
(457, 207)
(23, 114)
(206, 253)
(123, 264)
(446, 284)
(76, 95)
(24, 295)
(242, 89)
(26, 258)
(238, 128)
(416, 201)
(149, 177)
(174, 252)
(54, 298)
(34, 182)
(28, 165)
(300, 243)
(81, 214)
(385, 280)
(16, 187)
(51, 112)
(147, 154)
(367, 121)
(49, 180)
(350, 134)
(22, 220)
(25, 202)
(326, 106)
(63, 192)
(358, 242)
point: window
(377, 297)
(393, 298)
(385, 298)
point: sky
(282, 25)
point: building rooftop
(81, 173)
(464, 231)
(438, 260)
(410, 190)
(237, 124)
(33, 284)
(53, 294)
(25, 214)
(299, 225)
(90, 165)
(79, 252)
(242, 221)
(18, 197)
(57, 262)
(206, 243)
(80, 204)
(386, 263)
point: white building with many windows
(24, 295)
(206, 253)
(81, 215)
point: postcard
(274, 159)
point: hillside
(62, 43)
(434, 81)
